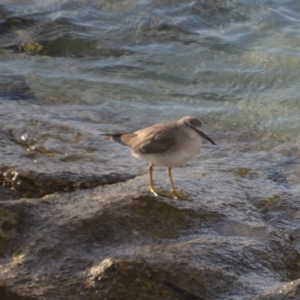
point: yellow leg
(151, 186)
(176, 194)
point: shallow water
(72, 70)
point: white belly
(174, 157)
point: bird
(166, 144)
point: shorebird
(169, 145)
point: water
(74, 69)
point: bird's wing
(155, 139)
(152, 140)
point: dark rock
(7, 294)
(119, 242)
(8, 194)
(32, 184)
(180, 293)
(287, 291)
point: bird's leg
(176, 194)
(151, 186)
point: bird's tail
(115, 137)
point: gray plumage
(168, 144)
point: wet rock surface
(32, 184)
(120, 242)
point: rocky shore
(118, 241)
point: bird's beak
(205, 136)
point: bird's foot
(157, 192)
(178, 195)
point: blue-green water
(227, 59)
(73, 69)
(234, 63)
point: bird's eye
(190, 126)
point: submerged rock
(14, 87)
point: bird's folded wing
(153, 141)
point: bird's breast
(188, 150)
(175, 156)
